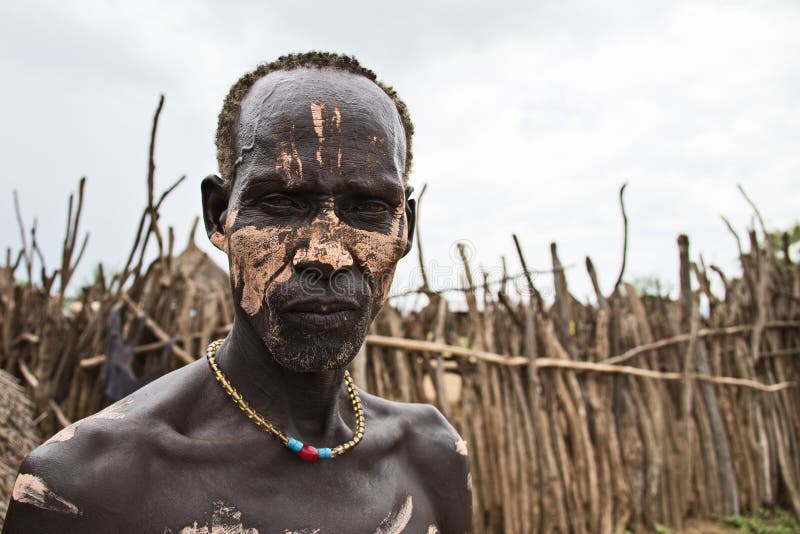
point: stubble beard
(313, 350)
(306, 352)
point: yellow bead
(265, 425)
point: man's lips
(324, 314)
(320, 305)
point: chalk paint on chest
(225, 519)
(396, 521)
(30, 489)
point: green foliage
(661, 529)
(777, 521)
(651, 286)
(794, 236)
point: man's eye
(370, 207)
(281, 202)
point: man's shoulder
(437, 452)
(93, 453)
(77, 473)
(423, 425)
(98, 463)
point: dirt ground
(702, 526)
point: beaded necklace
(307, 452)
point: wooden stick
(447, 350)
(533, 292)
(429, 346)
(26, 255)
(519, 361)
(425, 285)
(624, 236)
(660, 375)
(157, 330)
(728, 330)
(28, 375)
(26, 337)
(63, 420)
(483, 286)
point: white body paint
(65, 434)
(225, 519)
(397, 521)
(112, 412)
(30, 489)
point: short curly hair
(228, 122)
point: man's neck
(307, 406)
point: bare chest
(241, 494)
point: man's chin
(313, 342)
(316, 358)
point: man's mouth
(323, 313)
(320, 305)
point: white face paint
(318, 185)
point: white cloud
(528, 117)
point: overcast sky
(529, 116)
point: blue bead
(294, 445)
(325, 452)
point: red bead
(309, 453)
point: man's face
(316, 220)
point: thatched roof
(196, 265)
(18, 434)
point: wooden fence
(604, 417)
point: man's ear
(215, 209)
(411, 218)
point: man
(267, 434)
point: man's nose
(324, 252)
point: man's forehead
(320, 117)
(291, 95)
